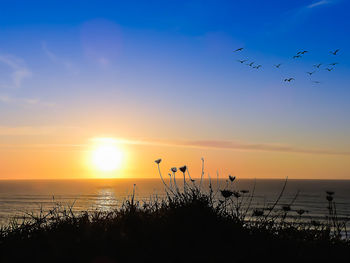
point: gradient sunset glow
(102, 90)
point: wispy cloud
(206, 144)
(319, 3)
(59, 60)
(27, 101)
(232, 145)
(37, 130)
(19, 70)
(299, 15)
(24, 130)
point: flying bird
(318, 65)
(329, 69)
(278, 65)
(250, 64)
(242, 61)
(316, 82)
(257, 67)
(302, 52)
(289, 80)
(335, 52)
(238, 49)
(333, 64)
(297, 56)
(310, 73)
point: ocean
(21, 198)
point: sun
(106, 156)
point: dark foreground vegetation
(190, 225)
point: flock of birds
(299, 54)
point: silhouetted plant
(189, 217)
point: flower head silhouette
(183, 168)
(226, 193)
(329, 198)
(236, 194)
(232, 178)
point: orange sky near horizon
(65, 160)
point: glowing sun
(106, 156)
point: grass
(191, 224)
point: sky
(161, 78)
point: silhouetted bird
(316, 82)
(278, 65)
(329, 69)
(333, 64)
(310, 73)
(242, 61)
(297, 56)
(335, 52)
(302, 52)
(250, 64)
(317, 65)
(289, 80)
(238, 49)
(257, 67)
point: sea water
(20, 198)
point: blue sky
(166, 69)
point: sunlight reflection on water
(106, 200)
